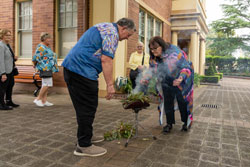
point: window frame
(60, 28)
(65, 15)
(20, 30)
(155, 19)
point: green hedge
(219, 74)
(224, 63)
(243, 64)
(210, 79)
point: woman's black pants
(9, 88)
(170, 92)
(6, 88)
(84, 96)
(133, 75)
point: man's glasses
(139, 47)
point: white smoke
(144, 77)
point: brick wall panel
(7, 19)
(43, 21)
(82, 17)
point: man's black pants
(84, 96)
(170, 92)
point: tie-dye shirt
(46, 59)
(174, 63)
(85, 57)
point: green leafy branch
(122, 131)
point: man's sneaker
(48, 103)
(91, 151)
(97, 139)
(39, 103)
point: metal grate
(210, 106)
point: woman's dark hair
(126, 22)
(157, 41)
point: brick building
(66, 21)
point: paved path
(45, 137)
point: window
(158, 28)
(149, 26)
(141, 26)
(67, 26)
(25, 29)
(150, 29)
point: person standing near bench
(7, 81)
(45, 61)
(138, 62)
(92, 54)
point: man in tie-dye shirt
(93, 54)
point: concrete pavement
(45, 137)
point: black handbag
(46, 74)
(15, 71)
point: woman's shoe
(48, 103)
(35, 101)
(167, 128)
(184, 127)
(39, 103)
(10, 103)
(5, 107)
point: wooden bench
(28, 75)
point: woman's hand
(178, 81)
(4, 78)
(140, 67)
(34, 64)
(144, 82)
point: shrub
(128, 87)
(196, 79)
(219, 74)
(210, 71)
(209, 59)
(210, 79)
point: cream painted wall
(120, 11)
(105, 11)
(100, 11)
(184, 23)
(183, 5)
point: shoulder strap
(142, 63)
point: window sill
(28, 61)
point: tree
(223, 40)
